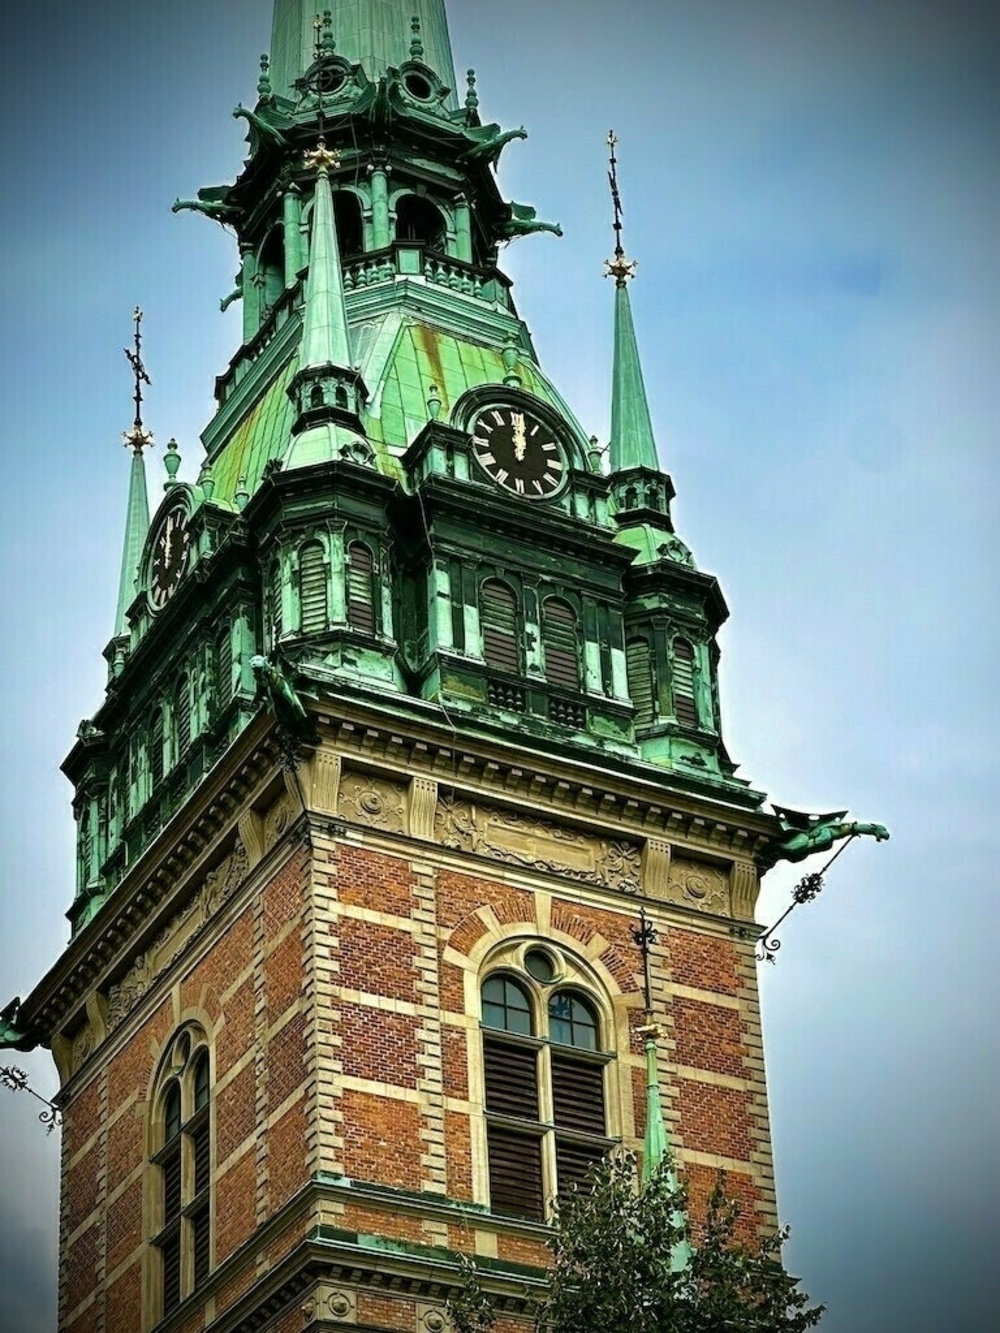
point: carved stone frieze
(696, 884)
(423, 806)
(538, 844)
(745, 885)
(219, 885)
(374, 802)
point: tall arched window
(361, 588)
(417, 219)
(546, 1121)
(312, 588)
(561, 644)
(347, 216)
(683, 683)
(182, 1161)
(641, 682)
(498, 622)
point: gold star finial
(321, 159)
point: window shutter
(172, 1186)
(685, 708)
(515, 1172)
(171, 1251)
(182, 716)
(498, 619)
(561, 645)
(511, 1079)
(573, 1163)
(274, 602)
(156, 749)
(639, 666)
(578, 1094)
(360, 593)
(223, 667)
(201, 1229)
(313, 588)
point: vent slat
(578, 1095)
(360, 591)
(639, 667)
(313, 588)
(498, 618)
(511, 1079)
(685, 707)
(515, 1173)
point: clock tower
(412, 712)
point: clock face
(519, 451)
(170, 557)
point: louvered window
(224, 667)
(360, 588)
(685, 706)
(184, 1164)
(641, 686)
(498, 620)
(519, 1060)
(561, 644)
(274, 603)
(182, 717)
(313, 588)
(156, 749)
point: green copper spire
(632, 441)
(137, 516)
(136, 528)
(326, 390)
(374, 33)
(325, 339)
(656, 1145)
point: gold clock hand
(520, 436)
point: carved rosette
(538, 844)
(374, 802)
(696, 884)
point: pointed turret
(136, 529)
(327, 392)
(367, 32)
(632, 442)
(656, 1145)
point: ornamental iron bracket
(16, 1080)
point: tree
(626, 1260)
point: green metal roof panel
(261, 435)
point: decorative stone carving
(321, 778)
(696, 884)
(423, 806)
(745, 886)
(431, 1319)
(538, 845)
(373, 802)
(220, 884)
(252, 835)
(278, 820)
(342, 1307)
(656, 868)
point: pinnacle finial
(472, 97)
(327, 44)
(321, 159)
(417, 44)
(138, 438)
(619, 268)
(264, 82)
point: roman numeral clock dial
(171, 547)
(518, 451)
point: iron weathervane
(138, 438)
(619, 268)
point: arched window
(347, 216)
(312, 588)
(182, 1160)
(271, 270)
(182, 718)
(641, 684)
(360, 588)
(683, 683)
(544, 1083)
(156, 743)
(560, 644)
(417, 219)
(498, 622)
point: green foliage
(626, 1261)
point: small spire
(137, 509)
(172, 462)
(632, 441)
(325, 339)
(472, 97)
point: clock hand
(520, 436)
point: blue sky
(812, 190)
